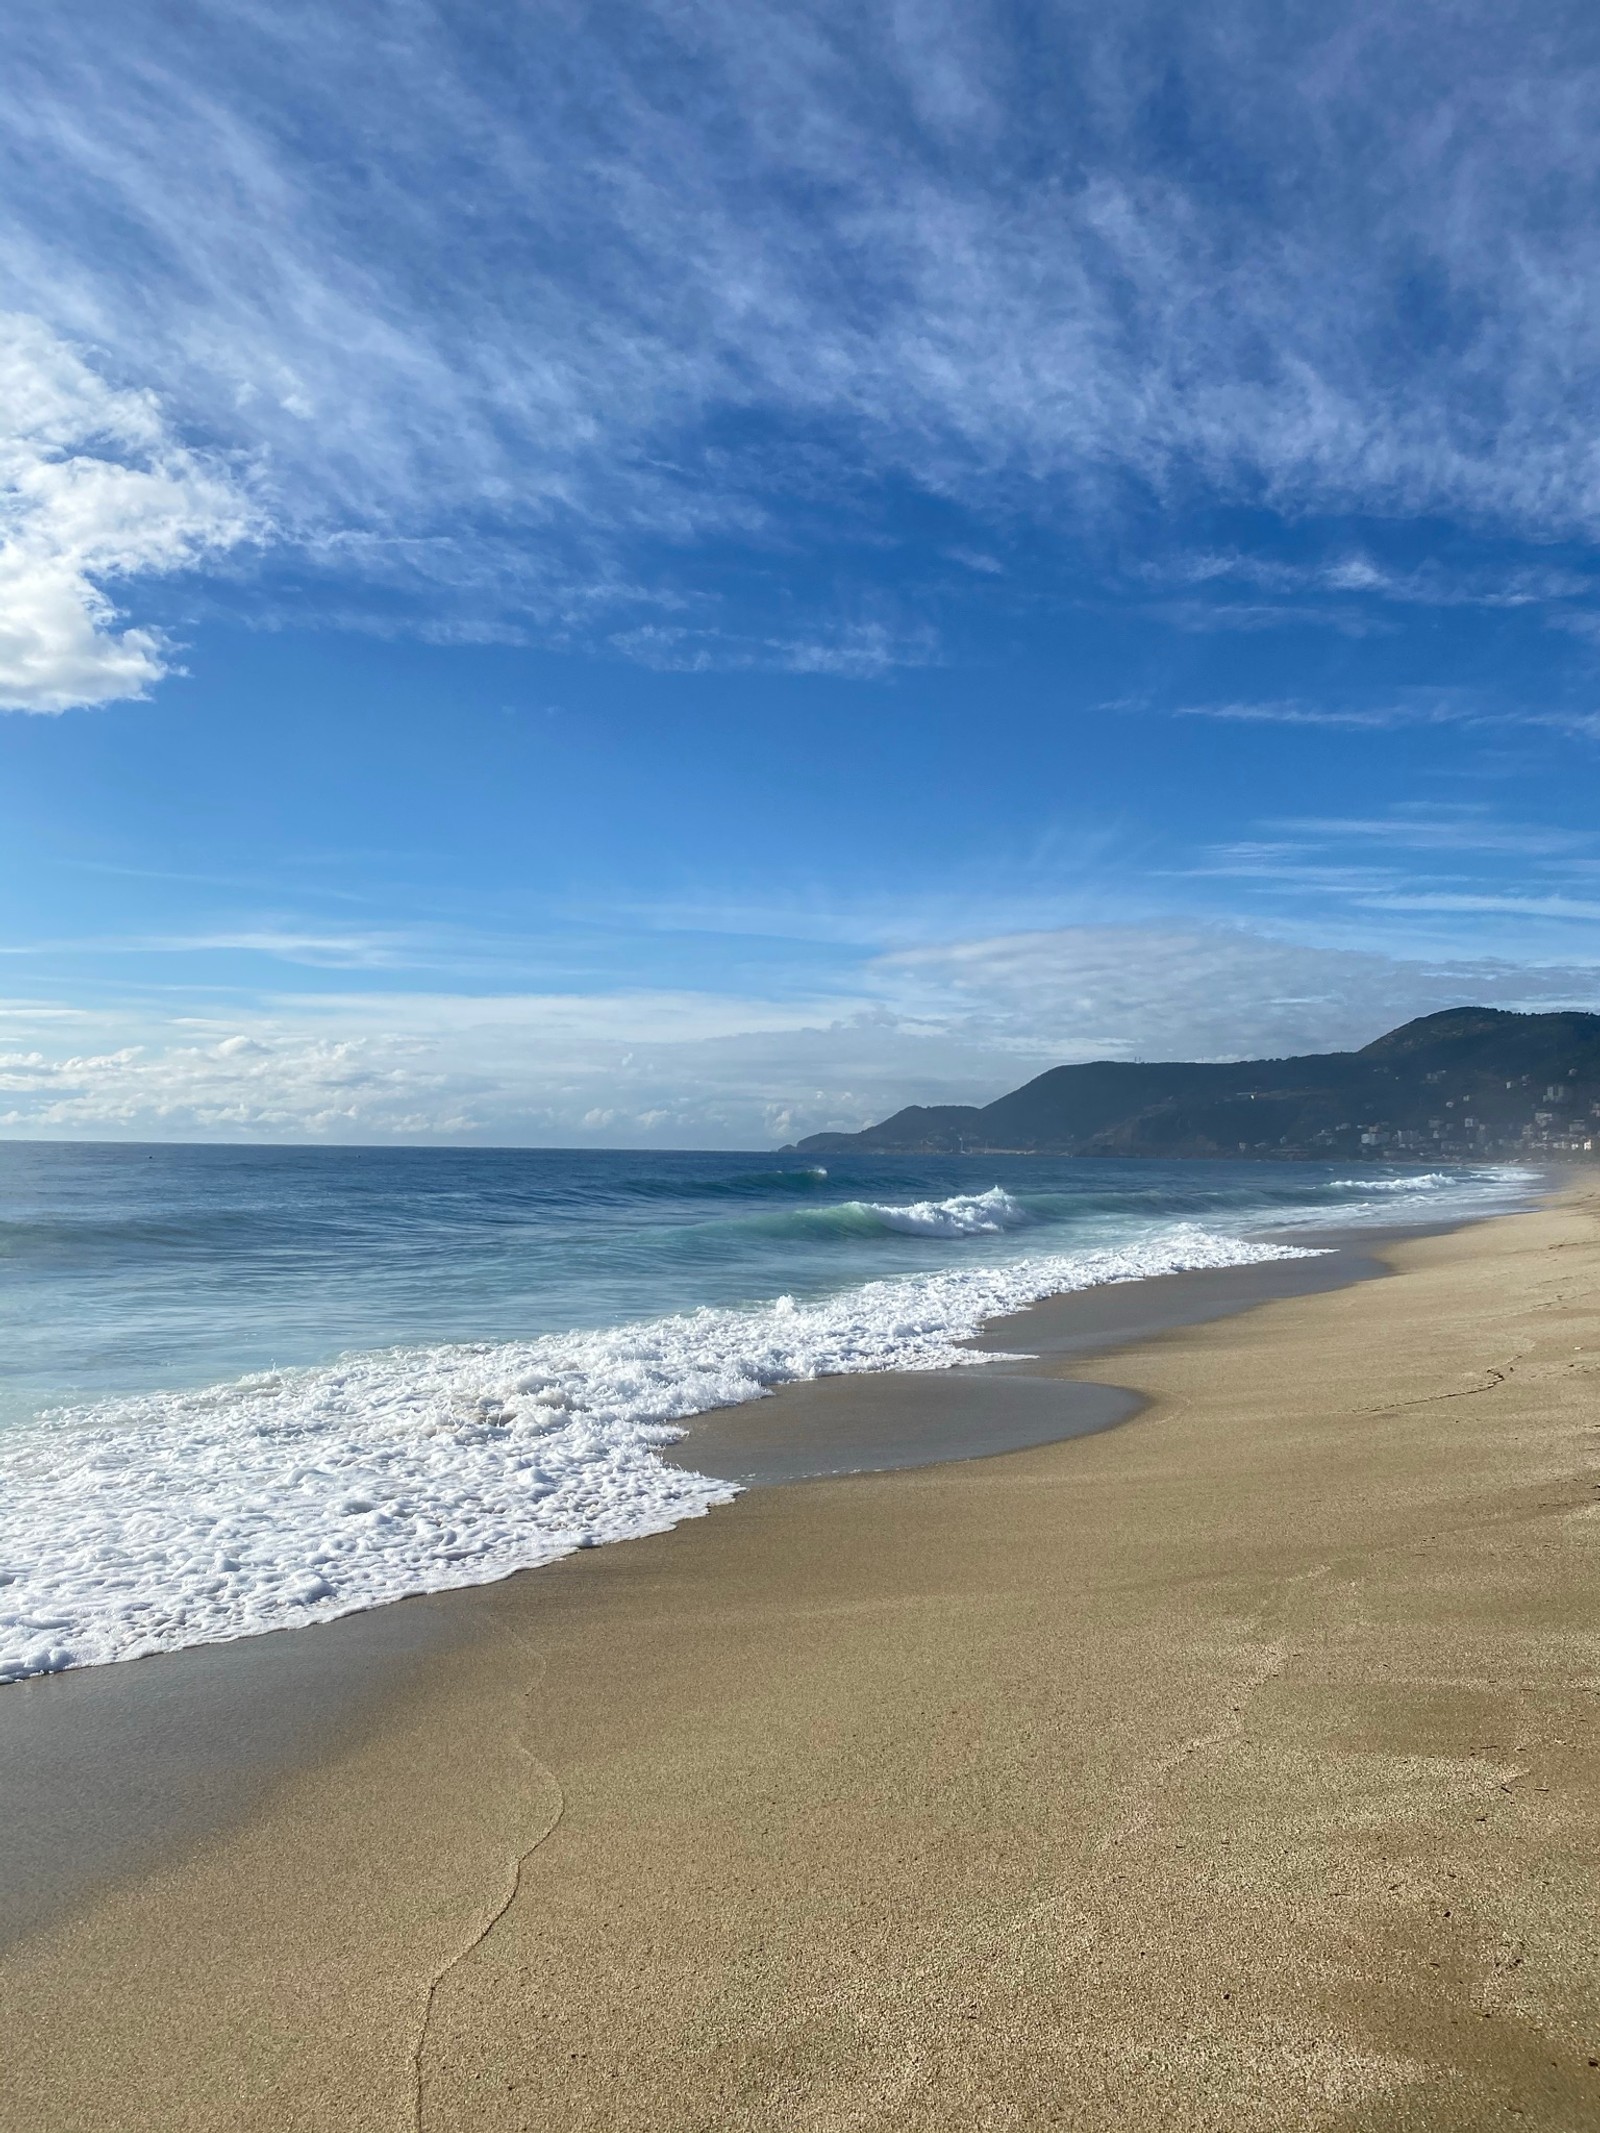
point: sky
(684, 574)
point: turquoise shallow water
(127, 1269)
(241, 1388)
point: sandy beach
(1235, 1768)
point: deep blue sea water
(245, 1387)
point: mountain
(1471, 1082)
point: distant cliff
(1471, 1082)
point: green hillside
(1470, 1082)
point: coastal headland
(1234, 1769)
(1458, 1086)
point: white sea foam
(1484, 1189)
(142, 1525)
(974, 1214)
(1419, 1181)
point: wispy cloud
(1257, 617)
(539, 314)
(325, 951)
(1481, 902)
(1430, 583)
(854, 651)
(1290, 711)
(1415, 707)
(1478, 872)
(1428, 826)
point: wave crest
(974, 1214)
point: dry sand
(1236, 1769)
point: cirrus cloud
(561, 322)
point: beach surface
(1236, 1768)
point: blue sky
(690, 573)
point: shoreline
(110, 1769)
(869, 1422)
(952, 1796)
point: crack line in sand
(513, 1890)
(1492, 1378)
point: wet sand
(1235, 1769)
(105, 1769)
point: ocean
(245, 1388)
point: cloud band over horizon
(959, 1022)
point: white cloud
(93, 489)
